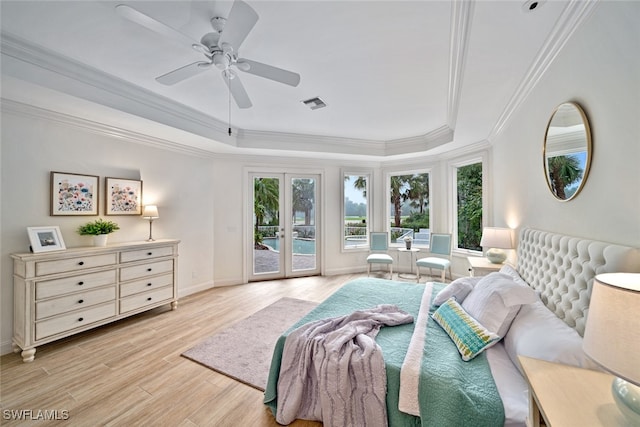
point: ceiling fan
(220, 48)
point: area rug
(243, 351)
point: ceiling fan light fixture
(221, 60)
(244, 66)
(228, 74)
(314, 103)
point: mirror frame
(589, 150)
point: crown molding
(573, 15)
(25, 110)
(308, 143)
(69, 76)
(417, 144)
(32, 63)
(461, 15)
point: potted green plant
(99, 229)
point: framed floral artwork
(45, 239)
(124, 196)
(73, 194)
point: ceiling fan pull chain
(229, 96)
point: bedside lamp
(612, 336)
(150, 212)
(496, 239)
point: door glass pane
(303, 217)
(266, 220)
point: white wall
(179, 184)
(599, 68)
(201, 200)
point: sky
(351, 193)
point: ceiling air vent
(314, 103)
(530, 5)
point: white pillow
(537, 332)
(507, 269)
(459, 289)
(495, 301)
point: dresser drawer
(144, 285)
(66, 285)
(146, 254)
(76, 301)
(74, 264)
(147, 298)
(76, 319)
(146, 270)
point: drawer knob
(149, 284)
(81, 319)
(80, 301)
(149, 299)
(81, 263)
(149, 253)
(80, 283)
(148, 269)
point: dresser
(58, 294)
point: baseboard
(198, 287)
(6, 347)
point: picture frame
(45, 239)
(123, 196)
(73, 194)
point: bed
(427, 381)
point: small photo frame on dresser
(73, 194)
(124, 196)
(45, 239)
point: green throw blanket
(441, 400)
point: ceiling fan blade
(268, 72)
(183, 73)
(240, 21)
(140, 18)
(237, 90)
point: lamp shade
(495, 237)
(150, 212)
(612, 333)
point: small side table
(481, 266)
(411, 251)
(562, 395)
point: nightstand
(481, 266)
(411, 253)
(562, 395)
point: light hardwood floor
(130, 373)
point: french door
(284, 225)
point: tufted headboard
(561, 268)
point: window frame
(387, 200)
(368, 174)
(454, 165)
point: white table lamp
(150, 212)
(612, 336)
(496, 239)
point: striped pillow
(467, 333)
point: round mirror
(567, 151)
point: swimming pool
(300, 246)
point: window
(356, 211)
(409, 207)
(469, 205)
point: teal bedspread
(446, 398)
